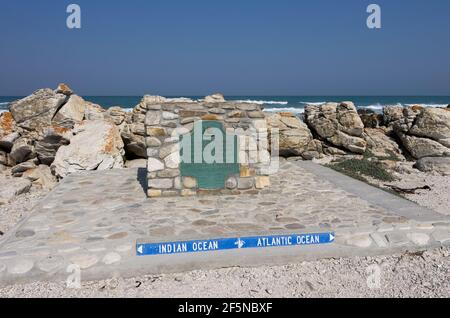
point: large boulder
(97, 145)
(133, 132)
(36, 111)
(295, 138)
(338, 124)
(71, 113)
(437, 164)
(382, 145)
(51, 140)
(433, 123)
(424, 132)
(22, 150)
(94, 112)
(41, 176)
(12, 187)
(8, 132)
(214, 98)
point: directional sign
(233, 243)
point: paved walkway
(94, 220)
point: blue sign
(199, 246)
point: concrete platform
(94, 220)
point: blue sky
(246, 47)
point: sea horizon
(273, 103)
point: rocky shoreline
(53, 133)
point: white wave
(428, 105)
(285, 109)
(3, 110)
(128, 110)
(313, 103)
(373, 107)
(262, 102)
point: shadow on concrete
(142, 178)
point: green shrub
(357, 169)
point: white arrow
(331, 237)
(140, 249)
(239, 243)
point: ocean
(294, 104)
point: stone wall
(168, 121)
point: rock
(93, 111)
(3, 158)
(64, 89)
(422, 147)
(7, 141)
(7, 131)
(53, 138)
(42, 176)
(338, 124)
(36, 111)
(214, 98)
(133, 134)
(420, 239)
(71, 113)
(392, 114)
(437, 164)
(433, 123)
(294, 136)
(381, 145)
(111, 258)
(154, 165)
(370, 119)
(96, 146)
(22, 150)
(136, 163)
(18, 170)
(117, 115)
(424, 132)
(12, 187)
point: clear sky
(238, 47)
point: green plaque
(209, 154)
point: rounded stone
(189, 182)
(294, 226)
(231, 183)
(111, 258)
(118, 236)
(152, 142)
(361, 241)
(50, 263)
(20, 266)
(420, 239)
(25, 233)
(84, 261)
(124, 248)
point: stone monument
(209, 146)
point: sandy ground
(419, 275)
(438, 198)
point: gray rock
(37, 110)
(20, 266)
(12, 187)
(437, 164)
(22, 150)
(71, 113)
(18, 170)
(338, 124)
(96, 146)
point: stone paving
(94, 219)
